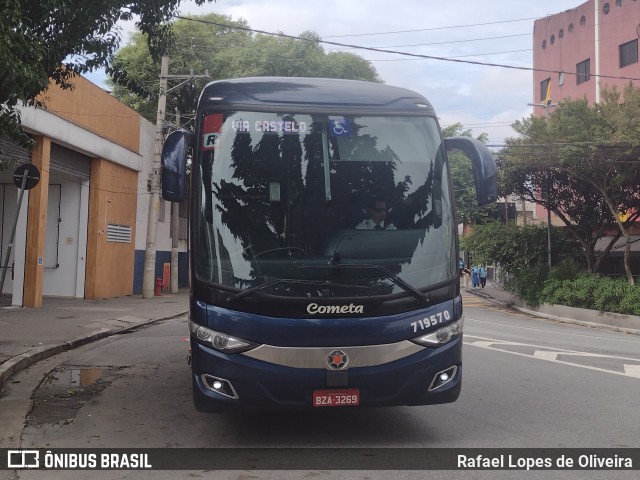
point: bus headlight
(220, 341)
(442, 335)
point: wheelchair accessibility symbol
(339, 126)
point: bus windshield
(287, 205)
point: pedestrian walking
(466, 272)
(483, 276)
(475, 276)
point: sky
(484, 99)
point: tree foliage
(516, 247)
(521, 251)
(582, 163)
(57, 39)
(198, 47)
(226, 49)
(528, 169)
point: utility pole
(547, 109)
(148, 277)
(175, 228)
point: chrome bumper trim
(316, 357)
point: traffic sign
(33, 176)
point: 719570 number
(431, 321)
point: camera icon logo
(23, 459)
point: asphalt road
(528, 383)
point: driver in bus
(377, 216)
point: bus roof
(293, 94)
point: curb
(491, 299)
(25, 360)
(574, 321)
(556, 318)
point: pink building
(575, 54)
(579, 51)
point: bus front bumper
(223, 382)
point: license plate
(336, 398)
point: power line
(429, 29)
(448, 56)
(455, 41)
(213, 49)
(383, 50)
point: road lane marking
(547, 348)
(545, 355)
(550, 354)
(551, 331)
(632, 370)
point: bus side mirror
(483, 165)
(174, 165)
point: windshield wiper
(263, 286)
(390, 275)
(335, 263)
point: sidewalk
(493, 293)
(28, 335)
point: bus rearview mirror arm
(483, 165)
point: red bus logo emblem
(337, 360)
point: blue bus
(323, 245)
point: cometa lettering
(314, 308)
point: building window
(561, 79)
(552, 39)
(571, 27)
(544, 44)
(561, 33)
(605, 8)
(583, 71)
(544, 87)
(629, 53)
(618, 3)
(583, 21)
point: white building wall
(62, 237)
(8, 202)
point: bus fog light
(219, 385)
(442, 378)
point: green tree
(203, 43)
(520, 250)
(528, 171)
(198, 47)
(57, 39)
(582, 163)
(598, 145)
